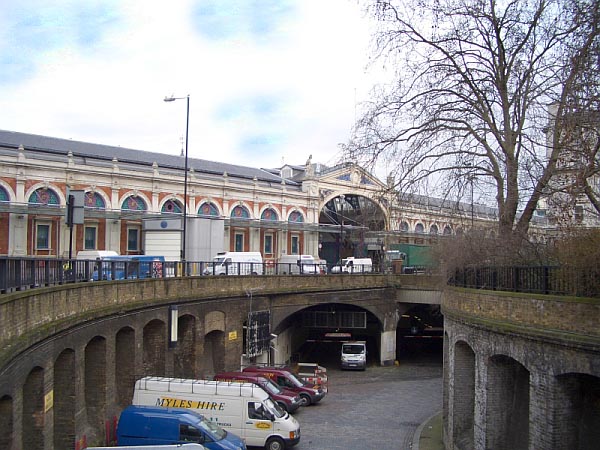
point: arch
(433, 229)
(404, 227)
(214, 351)
(295, 216)
(64, 400)
(95, 381)
(269, 214)
(94, 199)
(6, 422)
(185, 352)
(171, 206)
(125, 366)
(419, 228)
(214, 320)
(155, 338)
(44, 196)
(134, 202)
(208, 208)
(576, 409)
(447, 230)
(240, 212)
(33, 410)
(507, 404)
(463, 396)
(5, 194)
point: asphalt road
(379, 409)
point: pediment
(351, 175)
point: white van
(354, 355)
(244, 409)
(89, 260)
(354, 265)
(236, 263)
(297, 264)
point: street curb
(417, 435)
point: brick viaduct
(520, 371)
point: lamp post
(340, 215)
(185, 177)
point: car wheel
(275, 443)
(306, 398)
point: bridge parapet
(31, 316)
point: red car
(310, 393)
(287, 399)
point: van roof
(189, 386)
(160, 411)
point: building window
(579, 213)
(133, 239)
(419, 228)
(295, 250)
(268, 247)
(42, 236)
(239, 242)
(89, 238)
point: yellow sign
(48, 401)
(263, 425)
(232, 335)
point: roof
(46, 144)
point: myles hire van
(244, 409)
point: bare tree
(474, 79)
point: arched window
(3, 195)
(208, 209)
(296, 216)
(447, 230)
(134, 203)
(240, 212)
(172, 207)
(93, 200)
(419, 228)
(269, 214)
(404, 226)
(434, 229)
(44, 196)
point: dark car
(287, 399)
(310, 393)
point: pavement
(429, 434)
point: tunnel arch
(351, 225)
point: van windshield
(353, 349)
(217, 261)
(212, 429)
(274, 408)
(271, 387)
(296, 381)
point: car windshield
(212, 429)
(271, 387)
(274, 408)
(353, 349)
(296, 381)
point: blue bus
(129, 267)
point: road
(379, 409)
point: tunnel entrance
(420, 333)
(318, 333)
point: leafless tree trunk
(473, 83)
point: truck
(282, 376)
(288, 400)
(353, 265)
(354, 355)
(241, 408)
(235, 263)
(152, 425)
(297, 264)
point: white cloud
(287, 96)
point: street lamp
(340, 215)
(185, 177)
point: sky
(270, 82)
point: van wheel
(275, 443)
(306, 398)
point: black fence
(17, 274)
(554, 280)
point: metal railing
(552, 280)
(22, 273)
